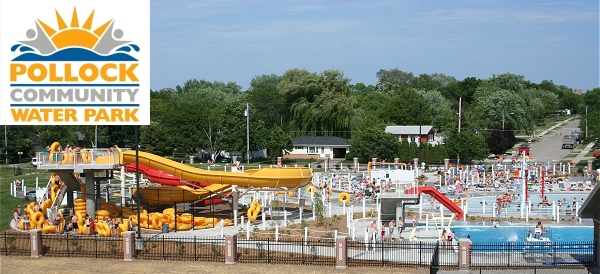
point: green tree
(467, 145)
(569, 100)
(441, 108)
(274, 140)
(405, 108)
(394, 76)
(265, 98)
(500, 140)
(320, 103)
(374, 142)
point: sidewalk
(581, 156)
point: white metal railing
(96, 156)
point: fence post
(129, 246)
(341, 252)
(231, 246)
(36, 243)
(5, 245)
(464, 254)
(67, 242)
(96, 245)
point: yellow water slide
(290, 178)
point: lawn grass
(8, 203)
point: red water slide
(438, 196)
(165, 178)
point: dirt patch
(316, 229)
(15, 264)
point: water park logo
(90, 69)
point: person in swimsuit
(400, 227)
(87, 224)
(373, 231)
(391, 226)
(74, 220)
(26, 221)
(17, 215)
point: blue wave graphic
(74, 54)
(128, 48)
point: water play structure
(177, 183)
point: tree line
(209, 117)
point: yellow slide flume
(289, 178)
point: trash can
(165, 228)
(18, 171)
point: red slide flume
(438, 196)
(165, 178)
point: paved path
(549, 147)
(581, 156)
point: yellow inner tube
(344, 198)
(53, 149)
(86, 156)
(311, 190)
(253, 211)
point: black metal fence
(82, 246)
(404, 254)
(314, 251)
(532, 254)
(188, 248)
(287, 251)
(15, 244)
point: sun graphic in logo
(73, 39)
(73, 35)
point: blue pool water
(487, 234)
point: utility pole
(6, 145)
(247, 112)
(420, 133)
(459, 109)
(586, 128)
(459, 114)
(96, 138)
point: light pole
(20, 153)
(174, 150)
(503, 119)
(5, 145)
(459, 117)
(247, 114)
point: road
(548, 148)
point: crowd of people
(394, 230)
(69, 226)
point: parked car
(34, 162)
(524, 149)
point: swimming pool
(487, 234)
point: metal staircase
(60, 196)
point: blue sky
(234, 41)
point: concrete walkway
(581, 156)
